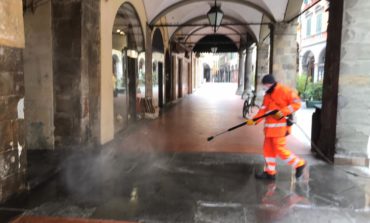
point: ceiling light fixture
(215, 15)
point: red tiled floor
(41, 219)
(186, 127)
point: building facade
(312, 35)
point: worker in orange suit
(277, 127)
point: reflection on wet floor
(195, 187)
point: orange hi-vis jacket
(281, 98)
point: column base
(352, 160)
(239, 91)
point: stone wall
(66, 25)
(12, 149)
(249, 74)
(353, 123)
(38, 74)
(263, 62)
(285, 53)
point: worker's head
(268, 80)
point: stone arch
(308, 64)
(127, 43)
(127, 21)
(158, 81)
(109, 10)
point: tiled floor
(40, 219)
(186, 125)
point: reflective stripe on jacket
(280, 98)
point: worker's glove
(278, 115)
(250, 122)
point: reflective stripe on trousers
(270, 166)
(276, 146)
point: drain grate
(218, 212)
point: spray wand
(241, 124)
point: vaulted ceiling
(244, 20)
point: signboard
(11, 23)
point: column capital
(283, 28)
(262, 45)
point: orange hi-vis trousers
(276, 146)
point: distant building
(312, 39)
(228, 69)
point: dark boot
(264, 176)
(299, 171)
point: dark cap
(268, 79)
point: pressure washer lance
(242, 124)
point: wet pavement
(141, 177)
(195, 187)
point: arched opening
(117, 73)
(308, 65)
(127, 43)
(180, 78)
(158, 61)
(321, 65)
(168, 79)
(207, 72)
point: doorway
(132, 85)
(168, 78)
(160, 83)
(179, 78)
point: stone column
(316, 71)
(38, 65)
(285, 53)
(91, 71)
(241, 73)
(248, 78)
(76, 71)
(148, 63)
(353, 123)
(263, 62)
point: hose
(317, 149)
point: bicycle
(249, 103)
